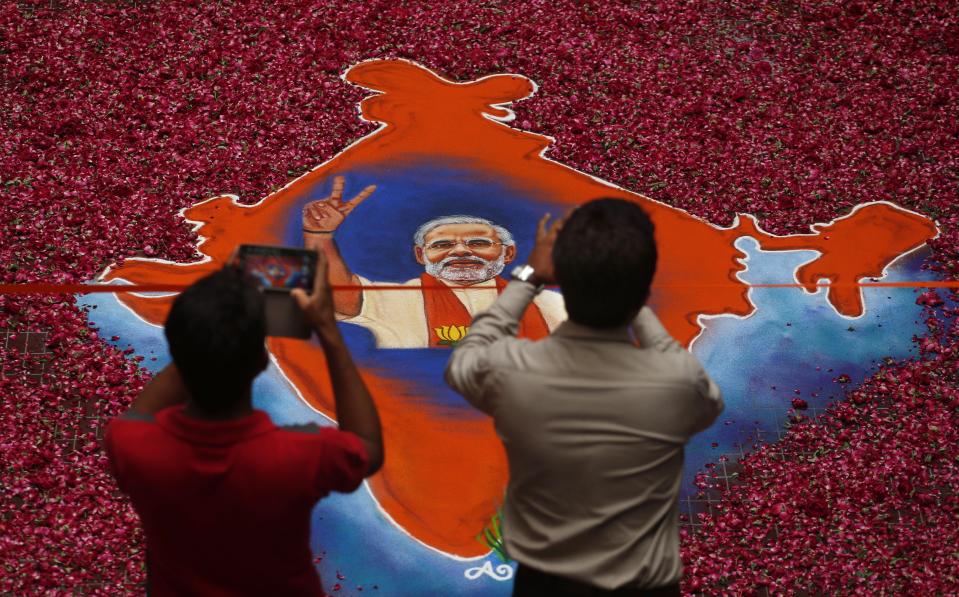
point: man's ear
(418, 253)
(510, 254)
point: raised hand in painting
(326, 215)
(541, 257)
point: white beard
(490, 269)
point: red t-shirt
(226, 505)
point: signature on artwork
(501, 572)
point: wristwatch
(525, 273)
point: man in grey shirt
(593, 425)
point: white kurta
(397, 318)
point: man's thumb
(301, 298)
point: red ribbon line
(47, 288)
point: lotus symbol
(449, 335)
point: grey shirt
(594, 429)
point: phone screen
(279, 268)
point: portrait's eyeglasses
(474, 244)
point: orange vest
(448, 320)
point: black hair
(216, 330)
(605, 258)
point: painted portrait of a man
(463, 257)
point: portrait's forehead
(461, 230)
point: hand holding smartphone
(317, 305)
(278, 271)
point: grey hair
(420, 237)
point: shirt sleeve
(374, 306)
(710, 402)
(651, 334)
(113, 444)
(396, 318)
(469, 365)
(343, 462)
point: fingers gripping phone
(278, 270)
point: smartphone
(278, 270)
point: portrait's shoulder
(549, 297)
(552, 306)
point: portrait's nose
(460, 250)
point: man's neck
(243, 408)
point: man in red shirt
(224, 495)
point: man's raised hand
(541, 257)
(326, 215)
(355, 410)
(318, 305)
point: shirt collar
(571, 329)
(197, 431)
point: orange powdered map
(424, 487)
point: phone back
(284, 317)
